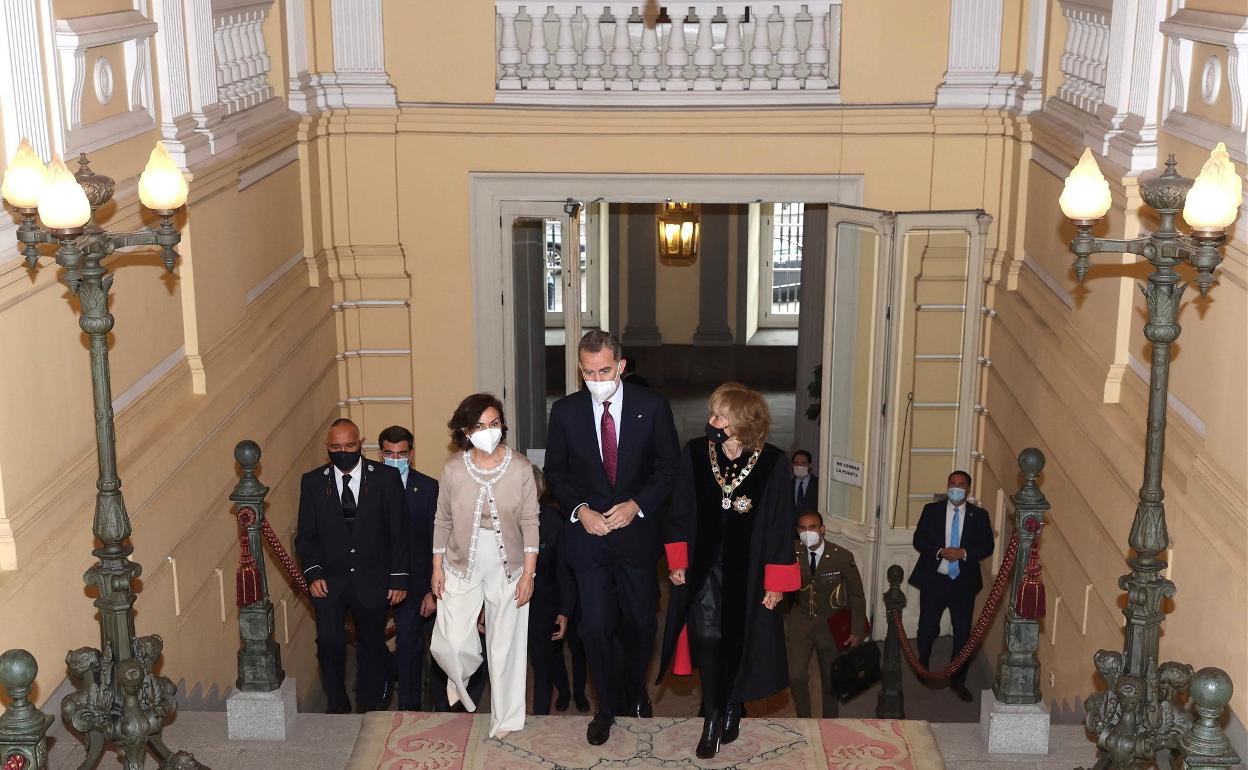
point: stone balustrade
(242, 61)
(1085, 55)
(570, 52)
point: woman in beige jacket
(485, 543)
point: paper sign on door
(847, 471)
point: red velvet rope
(283, 558)
(981, 626)
(15, 762)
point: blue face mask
(400, 463)
(956, 495)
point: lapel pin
(370, 469)
(638, 417)
(325, 472)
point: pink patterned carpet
(422, 741)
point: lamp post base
(1013, 728)
(261, 716)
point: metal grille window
(781, 276)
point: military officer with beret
(830, 583)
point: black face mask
(716, 435)
(344, 461)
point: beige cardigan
(457, 531)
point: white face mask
(605, 389)
(800, 471)
(487, 439)
(810, 538)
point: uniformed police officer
(830, 582)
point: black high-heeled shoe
(732, 723)
(712, 730)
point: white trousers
(456, 645)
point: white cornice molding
(103, 29)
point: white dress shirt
(949, 508)
(617, 414)
(818, 552)
(355, 474)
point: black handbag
(856, 670)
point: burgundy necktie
(609, 449)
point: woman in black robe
(730, 551)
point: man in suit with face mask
(353, 543)
(805, 483)
(611, 460)
(952, 537)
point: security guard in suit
(354, 544)
(830, 582)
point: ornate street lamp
(120, 700)
(1140, 714)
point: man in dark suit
(611, 460)
(354, 546)
(952, 537)
(805, 483)
(413, 617)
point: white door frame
(490, 255)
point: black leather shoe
(644, 708)
(599, 729)
(458, 708)
(959, 689)
(732, 723)
(582, 702)
(561, 702)
(708, 745)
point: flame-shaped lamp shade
(1086, 194)
(1213, 202)
(25, 178)
(63, 205)
(161, 185)
(679, 228)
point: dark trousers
(936, 597)
(546, 656)
(576, 650)
(617, 605)
(410, 649)
(371, 654)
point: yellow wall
(378, 204)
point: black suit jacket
(646, 467)
(929, 537)
(809, 500)
(368, 561)
(421, 493)
(554, 588)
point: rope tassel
(247, 578)
(1029, 602)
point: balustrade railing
(242, 59)
(567, 51)
(1085, 55)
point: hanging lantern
(679, 230)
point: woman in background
(731, 559)
(484, 553)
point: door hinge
(878, 512)
(884, 410)
(888, 313)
